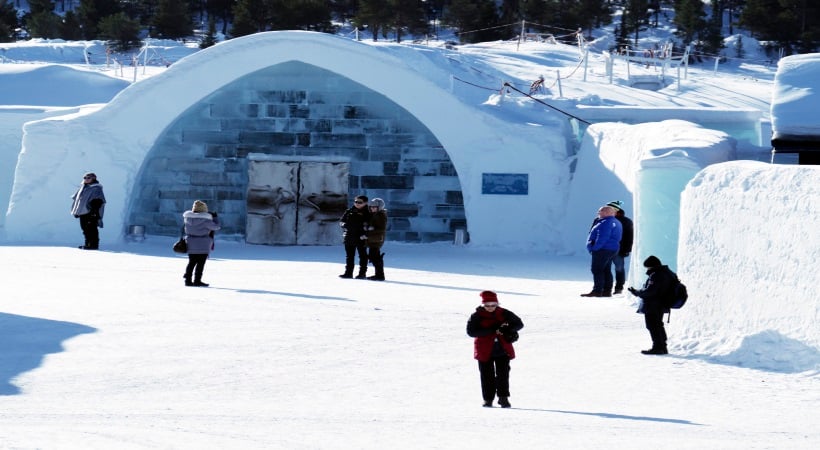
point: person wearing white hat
(627, 238)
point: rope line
(545, 103)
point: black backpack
(677, 295)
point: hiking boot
(504, 402)
(655, 351)
(346, 275)
(488, 404)
(606, 294)
(200, 284)
(618, 290)
(592, 294)
(376, 278)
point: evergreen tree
(70, 27)
(711, 39)
(210, 38)
(8, 21)
(250, 16)
(690, 19)
(592, 14)
(91, 12)
(374, 16)
(221, 9)
(313, 15)
(407, 17)
(41, 20)
(476, 20)
(121, 32)
(635, 15)
(173, 19)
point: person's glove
(632, 291)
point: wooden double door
(296, 202)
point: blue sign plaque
(505, 183)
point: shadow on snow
(24, 342)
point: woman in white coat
(199, 233)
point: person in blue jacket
(603, 243)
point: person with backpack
(494, 329)
(655, 295)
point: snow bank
(55, 85)
(794, 97)
(748, 253)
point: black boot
(198, 280)
(188, 281)
(656, 351)
(362, 273)
(379, 264)
(348, 272)
(504, 402)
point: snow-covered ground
(109, 350)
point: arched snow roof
(121, 133)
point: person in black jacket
(494, 329)
(655, 292)
(354, 224)
(625, 249)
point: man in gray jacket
(88, 206)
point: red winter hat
(488, 297)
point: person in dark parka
(88, 205)
(199, 233)
(491, 327)
(354, 224)
(656, 290)
(376, 231)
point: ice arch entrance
(296, 112)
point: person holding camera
(199, 233)
(655, 291)
(88, 205)
(494, 329)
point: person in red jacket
(494, 329)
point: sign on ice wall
(505, 183)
